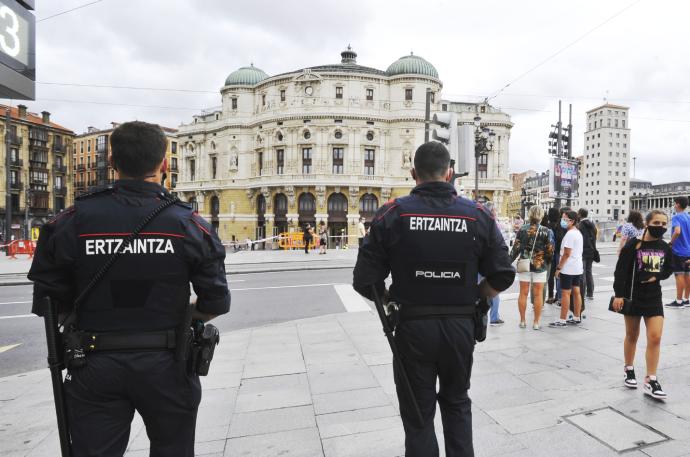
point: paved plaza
(324, 387)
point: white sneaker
(630, 379)
(654, 390)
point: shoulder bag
(523, 265)
(627, 302)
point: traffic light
(452, 136)
(553, 142)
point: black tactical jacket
(148, 286)
(435, 244)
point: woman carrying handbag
(642, 265)
(534, 248)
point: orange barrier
(21, 247)
(295, 240)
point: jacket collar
(435, 188)
(140, 187)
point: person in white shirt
(361, 231)
(569, 270)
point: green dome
(412, 64)
(246, 76)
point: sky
(629, 52)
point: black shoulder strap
(127, 241)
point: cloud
(636, 59)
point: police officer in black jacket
(434, 244)
(144, 294)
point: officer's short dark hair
(582, 212)
(137, 148)
(431, 161)
(682, 202)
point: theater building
(326, 143)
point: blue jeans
(493, 311)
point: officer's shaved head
(431, 161)
(138, 148)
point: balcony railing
(38, 145)
(81, 167)
(60, 191)
(16, 162)
(38, 166)
(58, 147)
(17, 184)
(60, 168)
(173, 168)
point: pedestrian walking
(589, 252)
(131, 327)
(569, 271)
(323, 237)
(631, 229)
(680, 240)
(307, 236)
(642, 265)
(434, 244)
(534, 249)
(361, 231)
(554, 224)
(494, 315)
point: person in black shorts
(323, 237)
(642, 265)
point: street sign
(17, 51)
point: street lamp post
(483, 143)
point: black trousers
(587, 278)
(437, 348)
(102, 398)
(552, 275)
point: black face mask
(656, 231)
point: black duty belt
(421, 311)
(129, 341)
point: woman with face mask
(569, 270)
(642, 264)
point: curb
(26, 282)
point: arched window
(368, 203)
(215, 206)
(280, 204)
(337, 203)
(306, 203)
(260, 205)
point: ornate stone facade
(329, 143)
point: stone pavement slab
(324, 387)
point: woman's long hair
(635, 218)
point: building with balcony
(38, 164)
(605, 190)
(537, 191)
(514, 202)
(91, 159)
(326, 143)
